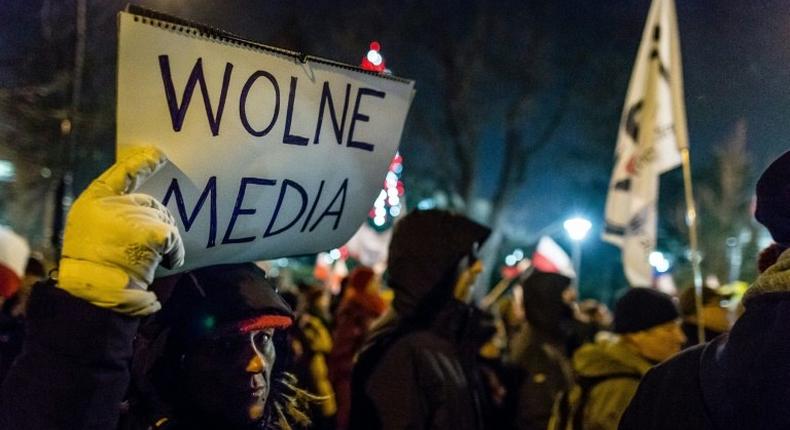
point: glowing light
(209, 322)
(395, 211)
(511, 260)
(659, 262)
(7, 171)
(426, 204)
(394, 201)
(392, 179)
(577, 228)
(335, 254)
(381, 212)
(374, 57)
(518, 253)
(379, 221)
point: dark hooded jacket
(74, 370)
(416, 372)
(541, 363)
(740, 380)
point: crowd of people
(99, 343)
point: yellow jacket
(611, 371)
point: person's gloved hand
(114, 239)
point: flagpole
(691, 220)
(681, 132)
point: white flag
(652, 132)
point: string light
(388, 204)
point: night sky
(735, 57)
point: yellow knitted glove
(115, 239)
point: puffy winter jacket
(607, 376)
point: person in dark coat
(12, 315)
(740, 380)
(541, 360)
(417, 370)
(215, 356)
(360, 306)
(206, 361)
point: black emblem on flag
(624, 185)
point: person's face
(463, 286)
(660, 342)
(230, 376)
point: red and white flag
(549, 257)
(14, 252)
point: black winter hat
(773, 199)
(216, 300)
(221, 296)
(643, 308)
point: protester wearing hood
(608, 371)
(418, 369)
(208, 360)
(541, 361)
(741, 379)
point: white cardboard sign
(270, 155)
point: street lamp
(659, 262)
(577, 229)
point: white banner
(270, 155)
(652, 132)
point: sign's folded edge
(214, 33)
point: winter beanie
(643, 308)
(773, 199)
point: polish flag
(549, 257)
(14, 252)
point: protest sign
(271, 153)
